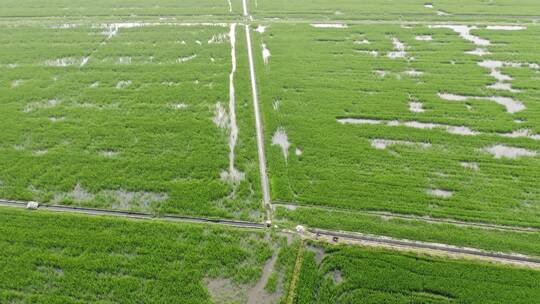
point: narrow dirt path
(258, 120)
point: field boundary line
(450, 221)
(418, 246)
(134, 214)
(258, 120)
(333, 237)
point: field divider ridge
(412, 217)
(134, 214)
(418, 246)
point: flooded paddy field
(373, 151)
(386, 121)
(139, 116)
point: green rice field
(125, 117)
(419, 133)
(199, 150)
(360, 275)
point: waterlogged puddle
(298, 152)
(329, 25)
(424, 38)
(360, 121)
(452, 97)
(109, 153)
(382, 144)
(281, 139)
(502, 151)
(494, 66)
(258, 294)
(465, 32)
(495, 72)
(41, 152)
(265, 54)
(78, 195)
(219, 38)
(33, 106)
(123, 84)
(399, 49)
(506, 27)
(470, 165)
(383, 74)
(370, 53)
(179, 106)
(123, 199)
(479, 52)
(84, 61)
(221, 117)
(260, 29)
(511, 105)
(363, 41)
(124, 60)
(276, 104)
(442, 13)
(94, 85)
(233, 175)
(226, 291)
(413, 73)
(459, 130)
(319, 253)
(440, 193)
(416, 107)
(65, 26)
(336, 276)
(57, 118)
(186, 58)
(66, 61)
(428, 5)
(16, 83)
(522, 133)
